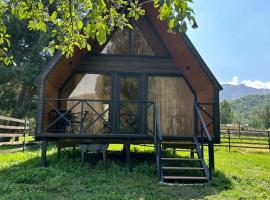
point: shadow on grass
(67, 178)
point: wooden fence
(13, 128)
(249, 139)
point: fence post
(229, 133)
(24, 134)
(239, 129)
(268, 132)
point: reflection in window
(128, 110)
(128, 42)
(93, 112)
(139, 44)
(92, 86)
(118, 44)
(175, 105)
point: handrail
(97, 100)
(203, 123)
(205, 130)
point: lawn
(239, 175)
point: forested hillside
(252, 109)
(244, 105)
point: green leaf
(101, 33)
(80, 24)
(171, 23)
(54, 16)
(165, 11)
(88, 46)
(42, 26)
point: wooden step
(198, 178)
(183, 168)
(180, 150)
(182, 159)
(178, 142)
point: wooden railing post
(81, 121)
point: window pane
(118, 44)
(175, 104)
(128, 113)
(139, 44)
(91, 117)
(92, 86)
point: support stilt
(104, 156)
(128, 156)
(44, 153)
(83, 156)
(59, 148)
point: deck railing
(203, 136)
(90, 116)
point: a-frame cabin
(144, 86)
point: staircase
(189, 168)
(188, 165)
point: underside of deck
(106, 138)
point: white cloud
(254, 84)
(234, 81)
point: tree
(74, 22)
(265, 115)
(18, 94)
(260, 117)
(254, 119)
(226, 113)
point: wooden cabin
(144, 86)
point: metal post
(268, 132)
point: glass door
(129, 107)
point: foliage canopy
(72, 23)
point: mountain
(232, 92)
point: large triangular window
(128, 42)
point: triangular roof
(179, 46)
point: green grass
(239, 175)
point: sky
(234, 40)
